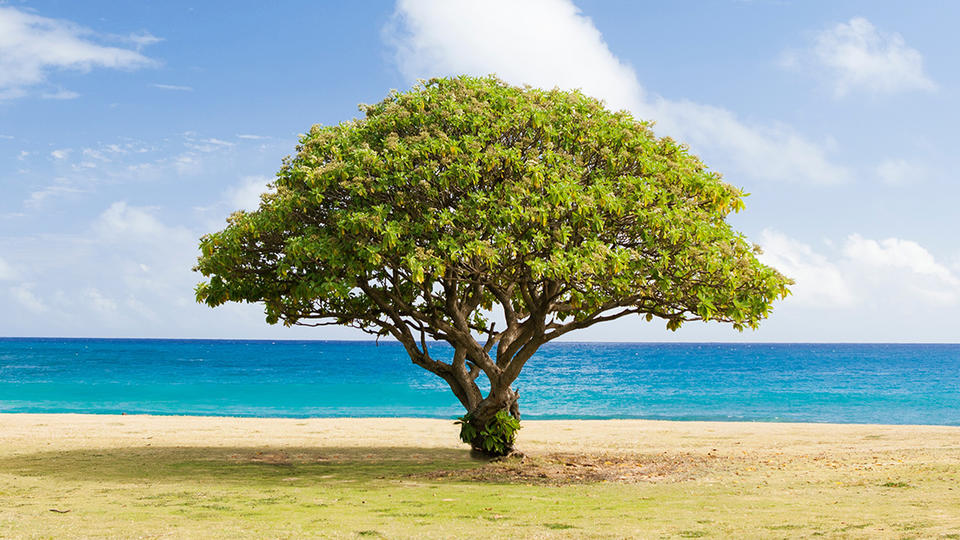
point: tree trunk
(498, 400)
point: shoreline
(559, 341)
(24, 432)
(135, 415)
(525, 419)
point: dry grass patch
(562, 469)
(81, 477)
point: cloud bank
(856, 57)
(886, 275)
(32, 47)
(551, 43)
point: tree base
(493, 436)
(482, 455)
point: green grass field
(406, 493)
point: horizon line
(375, 341)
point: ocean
(845, 383)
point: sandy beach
(21, 433)
(67, 475)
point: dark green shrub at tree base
(494, 218)
(496, 437)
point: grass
(403, 492)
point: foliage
(496, 437)
(466, 197)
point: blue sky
(127, 130)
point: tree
(467, 201)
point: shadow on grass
(238, 464)
(271, 466)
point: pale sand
(25, 433)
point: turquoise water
(895, 384)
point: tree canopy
(495, 218)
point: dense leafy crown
(467, 197)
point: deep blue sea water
(895, 384)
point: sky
(128, 130)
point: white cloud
(210, 145)
(11, 93)
(60, 94)
(105, 275)
(126, 273)
(251, 137)
(856, 56)
(23, 294)
(92, 153)
(99, 302)
(32, 46)
(129, 161)
(891, 274)
(127, 148)
(539, 42)
(123, 221)
(186, 164)
(898, 254)
(142, 39)
(246, 195)
(141, 309)
(207, 145)
(769, 152)
(145, 260)
(218, 142)
(7, 273)
(900, 172)
(550, 43)
(173, 87)
(61, 187)
(819, 282)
